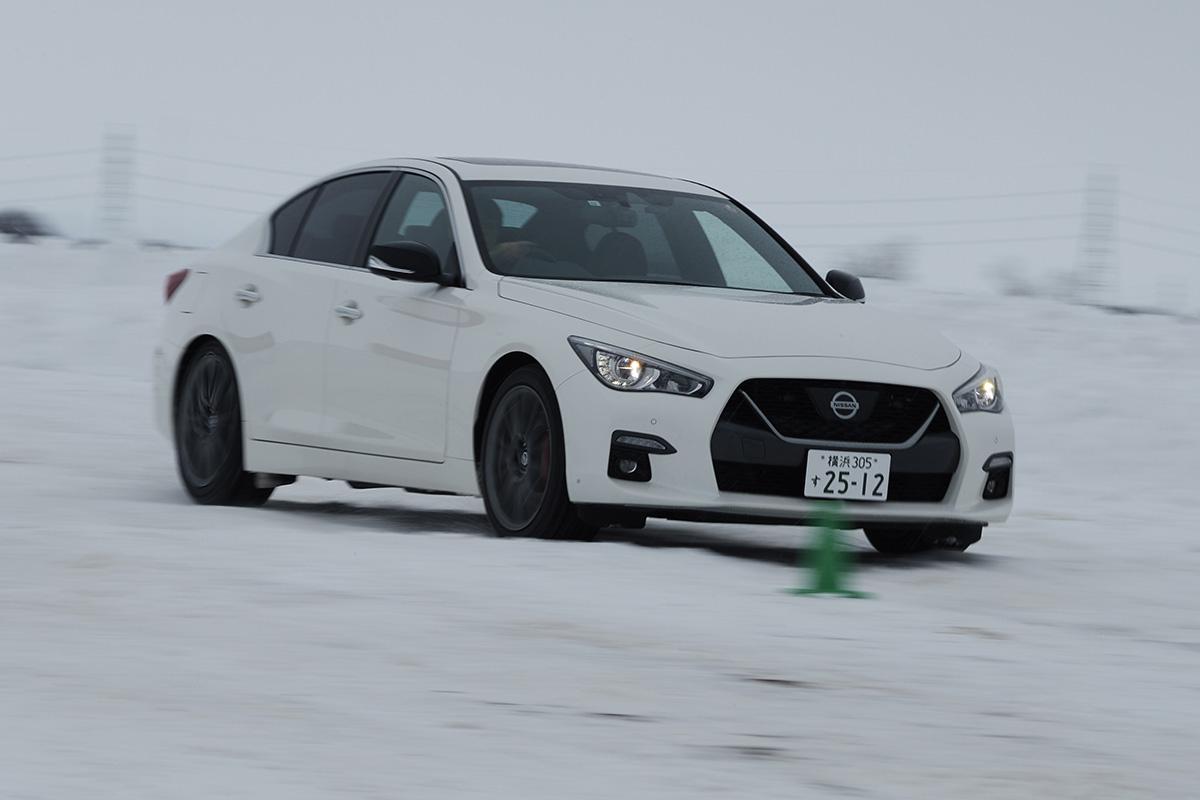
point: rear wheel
(897, 541)
(523, 465)
(208, 433)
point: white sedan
(582, 347)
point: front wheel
(523, 464)
(899, 541)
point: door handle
(248, 294)
(349, 312)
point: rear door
(278, 311)
(388, 361)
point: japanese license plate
(847, 476)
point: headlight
(627, 371)
(981, 393)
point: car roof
(476, 161)
(516, 169)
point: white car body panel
(402, 343)
(277, 342)
(686, 480)
(394, 397)
(754, 324)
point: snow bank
(380, 644)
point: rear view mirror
(846, 284)
(407, 261)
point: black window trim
(397, 172)
(377, 218)
(320, 187)
(315, 189)
(364, 243)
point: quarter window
(335, 227)
(286, 223)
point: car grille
(753, 457)
(800, 409)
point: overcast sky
(769, 100)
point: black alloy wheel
(522, 463)
(208, 433)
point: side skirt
(453, 476)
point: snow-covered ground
(379, 644)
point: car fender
(479, 348)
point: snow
(378, 644)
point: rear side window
(339, 217)
(286, 223)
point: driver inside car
(504, 254)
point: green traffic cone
(827, 562)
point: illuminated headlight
(981, 393)
(627, 371)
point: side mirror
(846, 284)
(407, 261)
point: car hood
(732, 323)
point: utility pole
(116, 182)
(1095, 265)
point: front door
(390, 344)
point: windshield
(577, 231)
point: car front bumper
(684, 483)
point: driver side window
(416, 212)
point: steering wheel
(510, 253)
(536, 251)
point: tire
(902, 541)
(208, 433)
(522, 462)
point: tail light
(174, 281)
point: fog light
(629, 455)
(999, 476)
(625, 464)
